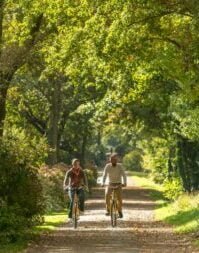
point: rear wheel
(75, 218)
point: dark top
(75, 178)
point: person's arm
(124, 176)
(66, 180)
(104, 176)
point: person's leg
(119, 199)
(71, 197)
(108, 192)
(81, 196)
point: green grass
(184, 219)
(51, 222)
(183, 213)
(142, 179)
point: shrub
(172, 188)
(21, 193)
(133, 160)
(187, 201)
(91, 177)
(52, 183)
(91, 173)
(155, 158)
(12, 224)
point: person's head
(113, 159)
(75, 163)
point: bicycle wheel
(113, 214)
(75, 218)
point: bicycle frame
(75, 210)
(113, 205)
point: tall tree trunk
(83, 149)
(3, 95)
(4, 85)
(193, 168)
(2, 2)
(53, 132)
(182, 163)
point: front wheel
(75, 216)
(113, 214)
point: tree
(15, 44)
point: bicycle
(75, 207)
(113, 204)
(75, 210)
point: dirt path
(137, 232)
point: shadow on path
(137, 232)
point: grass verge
(182, 214)
(51, 222)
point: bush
(155, 158)
(186, 202)
(133, 160)
(12, 224)
(21, 193)
(91, 177)
(52, 183)
(91, 173)
(172, 188)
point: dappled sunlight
(137, 232)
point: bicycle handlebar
(114, 186)
(67, 188)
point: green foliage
(182, 213)
(91, 174)
(173, 188)
(133, 160)
(52, 188)
(25, 145)
(78, 78)
(12, 223)
(21, 194)
(155, 158)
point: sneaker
(120, 215)
(107, 213)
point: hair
(74, 161)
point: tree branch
(167, 39)
(34, 121)
(159, 15)
(40, 125)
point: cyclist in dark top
(75, 179)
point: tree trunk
(183, 163)
(180, 162)
(83, 150)
(3, 95)
(192, 161)
(4, 85)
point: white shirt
(115, 174)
